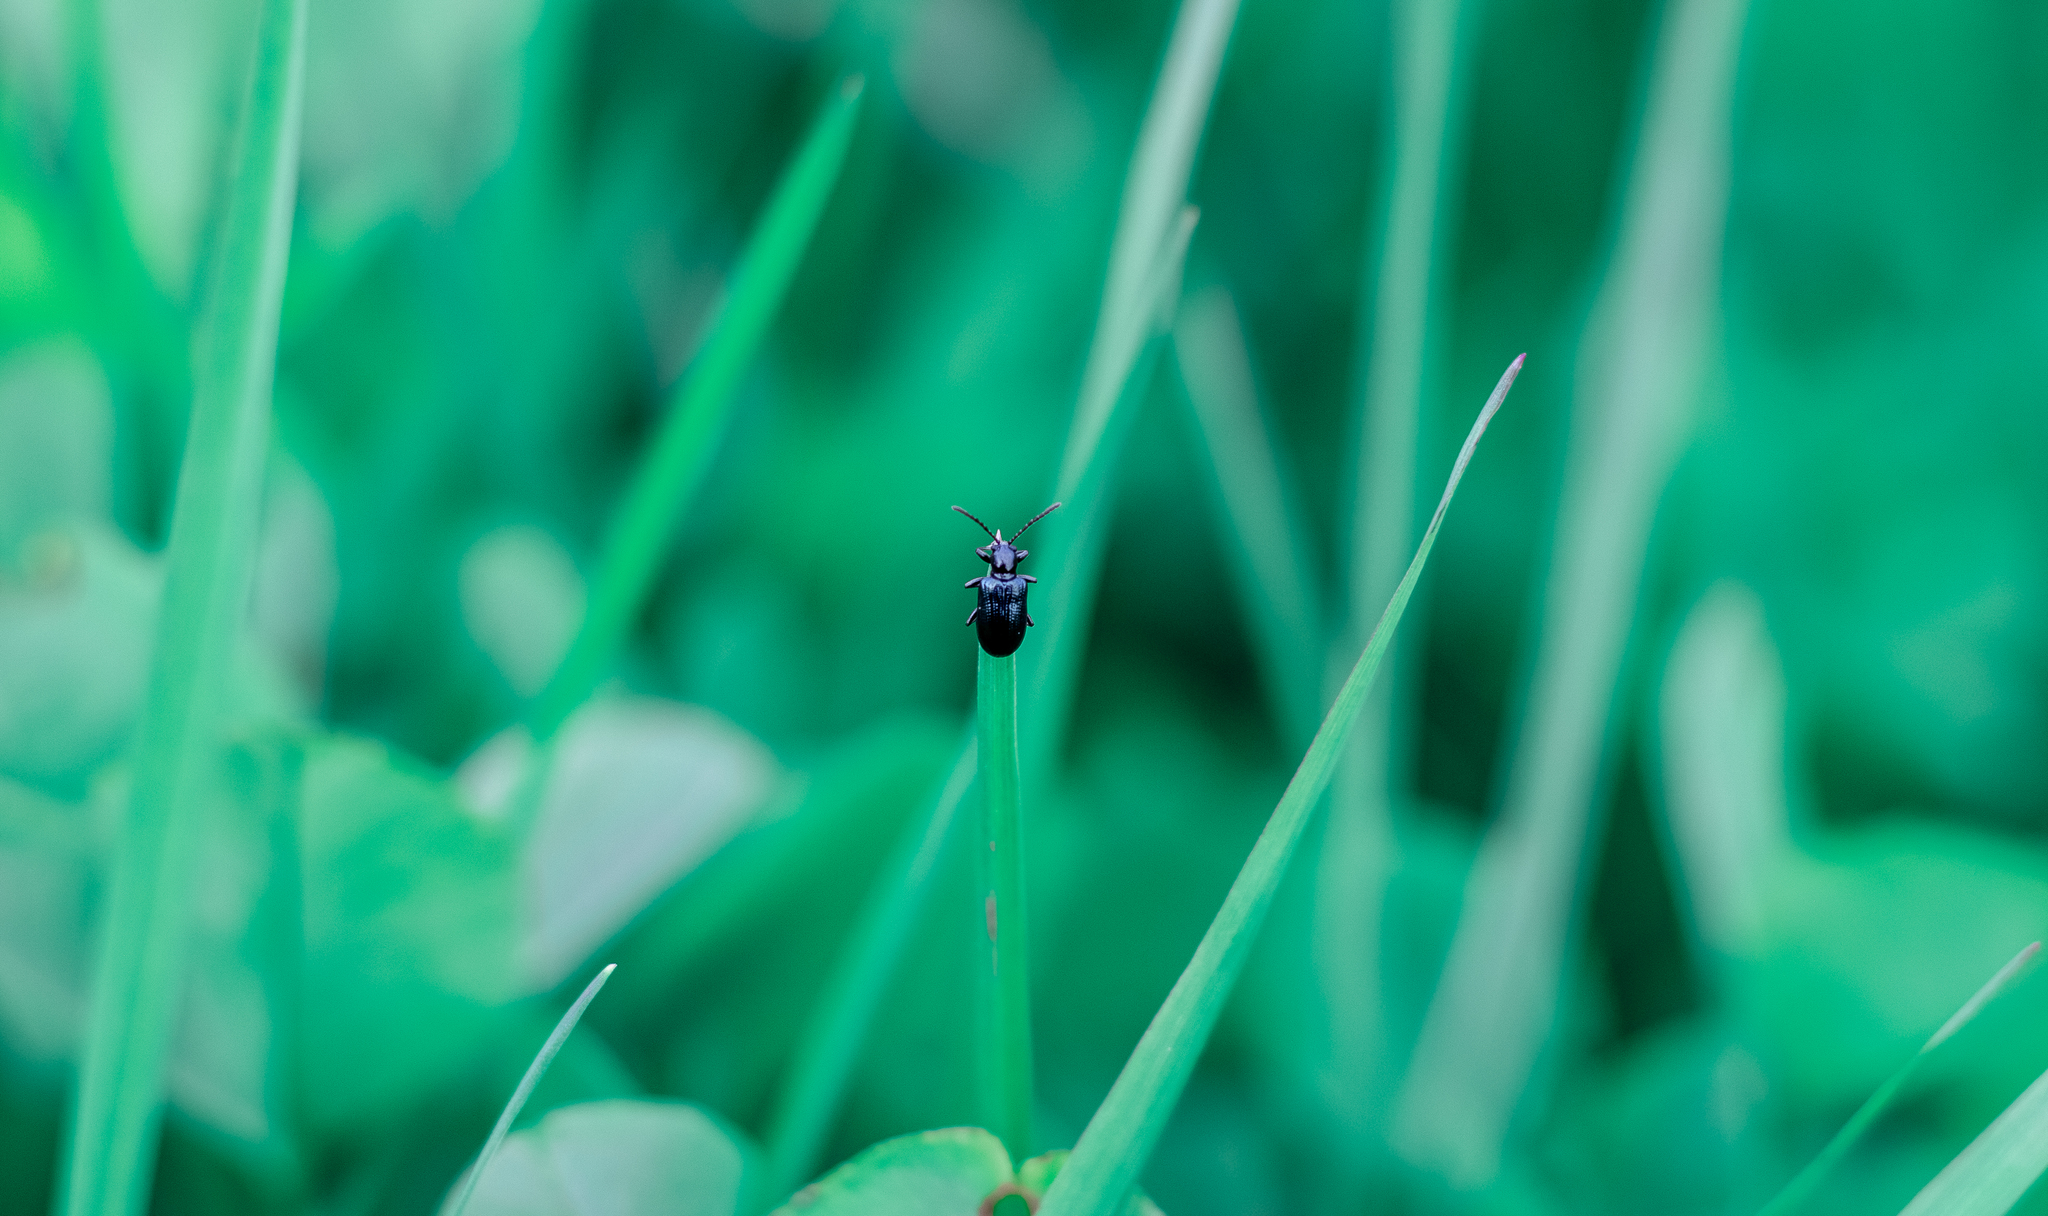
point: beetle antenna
(977, 523)
(1027, 523)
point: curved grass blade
(1803, 1184)
(524, 1090)
(1006, 1041)
(1105, 1163)
(111, 1152)
(1149, 248)
(672, 471)
(831, 1039)
(1650, 334)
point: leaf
(619, 1158)
(111, 1154)
(1125, 1128)
(411, 917)
(937, 1173)
(636, 792)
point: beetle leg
(1027, 578)
(1028, 620)
(974, 582)
(972, 615)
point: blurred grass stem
(697, 417)
(1360, 845)
(1649, 334)
(136, 989)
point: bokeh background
(1751, 566)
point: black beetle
(1001, 606)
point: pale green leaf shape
(950, 1172)
(618, 1158)
(1988, 1177)
(522, 600)
(56, 441)
(938, 1173)
(1125, 1128)
(636, 792)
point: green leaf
(134, 996)
(619, 1158)
(411, 917)
(937, 1173)
(633, 794)
(1122, 1133)
(669, 476)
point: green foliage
(625, 1158)
(622, 322)
(135, 994)
(1126, 1127)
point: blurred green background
(1814, 819)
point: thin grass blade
(1098, 1177)
(111, 1151)
(1801, 1188)
(1648, 339)
(703, 403)
(1006, 1040)
(1990, 1176)
(1256, 507)
(534, 1072)
(1145, 260)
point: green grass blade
(831, 1039)
(681, 456)
(1145, 257)
(1359, 848)
(1988, 1177)
(1268, 553)
(1105, 1163)
(1645, 343)
(136, 978)
(1007, 1038)
(524, 1090)
(1152, 234)
(1801, 1188)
